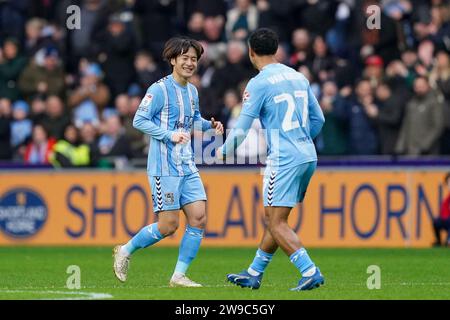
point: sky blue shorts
(172, 193)
(287, 187)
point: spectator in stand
(241, 20)
(425, 53)
(442, 222)
(90, 98)
(13, 17)
(94, 15)
(440, 80)
(33, 30)
(374, 71)
(439, 27)
(113, 142)
(69, 152)
(380, 41)
(5, 129)
(195, 26)
(158, 24)
(388, 116)
(398, 78)
(38, 109)
(116, 48)
(21, 125)
(122, 104)
(301, 44)
(334, 135)
(11, 65)
(315, 86)
(363, 134)
(135, 94)
(40, 149)
(400, 12)
(234, 71)
(407, 66)
(54, 35)
(231, 107)
(147, 70)
(322, 63)
(56, 117)
(126, 113)
(275, 15)
(423, 123)
(282, 55)
(44, 77)
(213, 28)
(89, 136)
(314, 15)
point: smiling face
(185, 65)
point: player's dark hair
(177, 46)
(264, 42)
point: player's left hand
(217, 125)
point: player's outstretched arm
(236, 136)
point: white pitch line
(82, 295)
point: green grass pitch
(40, 273)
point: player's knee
(274, 221)
(198, 221)
(276, 226)
(169, 227)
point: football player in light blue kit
(283, 101)
(168, 113)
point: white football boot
(121, 264)
(180, 280)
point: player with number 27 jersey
(283, 101)
(289, 112)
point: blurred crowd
(68, 95)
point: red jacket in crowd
(445, 208)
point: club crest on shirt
(169, 198)
(245, 96)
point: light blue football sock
(147, 236)
(301, 260)
(188, 248)
(260, 262)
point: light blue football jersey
(169, 107)
(289, 112)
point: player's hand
(219, 154)
(180, 137)
(217, 125)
